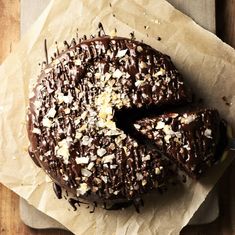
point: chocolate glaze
(73, 202)
(72, 117)
(118, 206)
(58, 191)
(46, 51)
(222, 145)
(94, 206)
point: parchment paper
(205, 61)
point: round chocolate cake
(72, 117)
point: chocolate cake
(72, 117)
(190, 138)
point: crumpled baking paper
(207, 64)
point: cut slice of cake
(190, 139)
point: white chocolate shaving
(121, 53)
(82, 160)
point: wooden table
(10, 223)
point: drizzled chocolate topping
(72, 122)
(58, 191)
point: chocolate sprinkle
(226, 101)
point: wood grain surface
(199, 10)
(9, 26)
(10, 223)
(225, 20)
